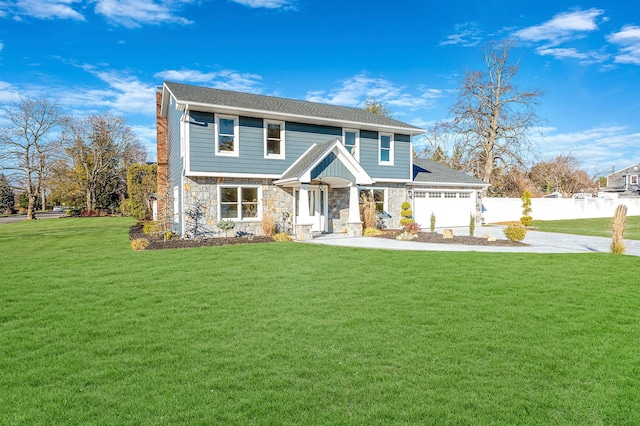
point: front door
(318, 208)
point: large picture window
(385, 149)
(239, 202)
(274, 139)
(226, 135)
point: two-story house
(225, 155)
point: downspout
(184, 134)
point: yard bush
(153, 228)
(515, 232)
(282, 237)
(371, 232)
(139, 244)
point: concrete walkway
(538, 242)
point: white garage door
(452, 208)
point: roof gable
(248, 103)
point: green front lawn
(600, 227)
(288, 333)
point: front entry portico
(319, 170)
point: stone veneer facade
(203, 191)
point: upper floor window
(226, 135)
(274, 139)
(350, 140)
(385, 145)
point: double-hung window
(350, 140)
(385, 149)
(226, 135)
(239, 202)
(273, 139)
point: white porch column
(354, 205)
(304, 218)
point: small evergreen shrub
(371, 232)
(282, 237)
(515, 232)
(526, 219)
(139, 244)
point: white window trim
(634, 179)
(237, 219)
(280, 156)
(391, 149)
(344, 139)
(236, 135)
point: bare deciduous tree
(491, 119)
(377, 107)
(26, 143)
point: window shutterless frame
(274, 144)
(385, 149)
(227, 135)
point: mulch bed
(423, 237)
(157, 244)
(433, 237)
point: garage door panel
(449, 211)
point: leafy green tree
(141, 183)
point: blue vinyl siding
(401, 157)
(175, 160)
(298, 138)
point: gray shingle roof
(428, 171)
(249, 101)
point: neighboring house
(240, 156)
(624, 181)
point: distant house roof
(289, 109)
(429, 172)
(632, 168)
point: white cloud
(628, 38)
(467, 35)
(134, 13)
(562, 53)
(562, 27)
(267, 4)
(598, 148)
(148, 137)
(8, 92)
(48, 9)
(224, 79)
(355, 90)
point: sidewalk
(538, 242)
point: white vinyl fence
(510, 209)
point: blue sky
(100, 55)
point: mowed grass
(287, 333)
(600, 227)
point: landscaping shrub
(368, 213)
(526, 219)
(226, 226)
(619, 219)
(139, 244)
(433, 222)
(515, 232)
(282, 237)
(412, 228)
(371, 232)
(153, 228)
(472, 225)
(268, 223)
(407, 214)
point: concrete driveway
(538, 242)
(20, 217)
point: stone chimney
(162, 148)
